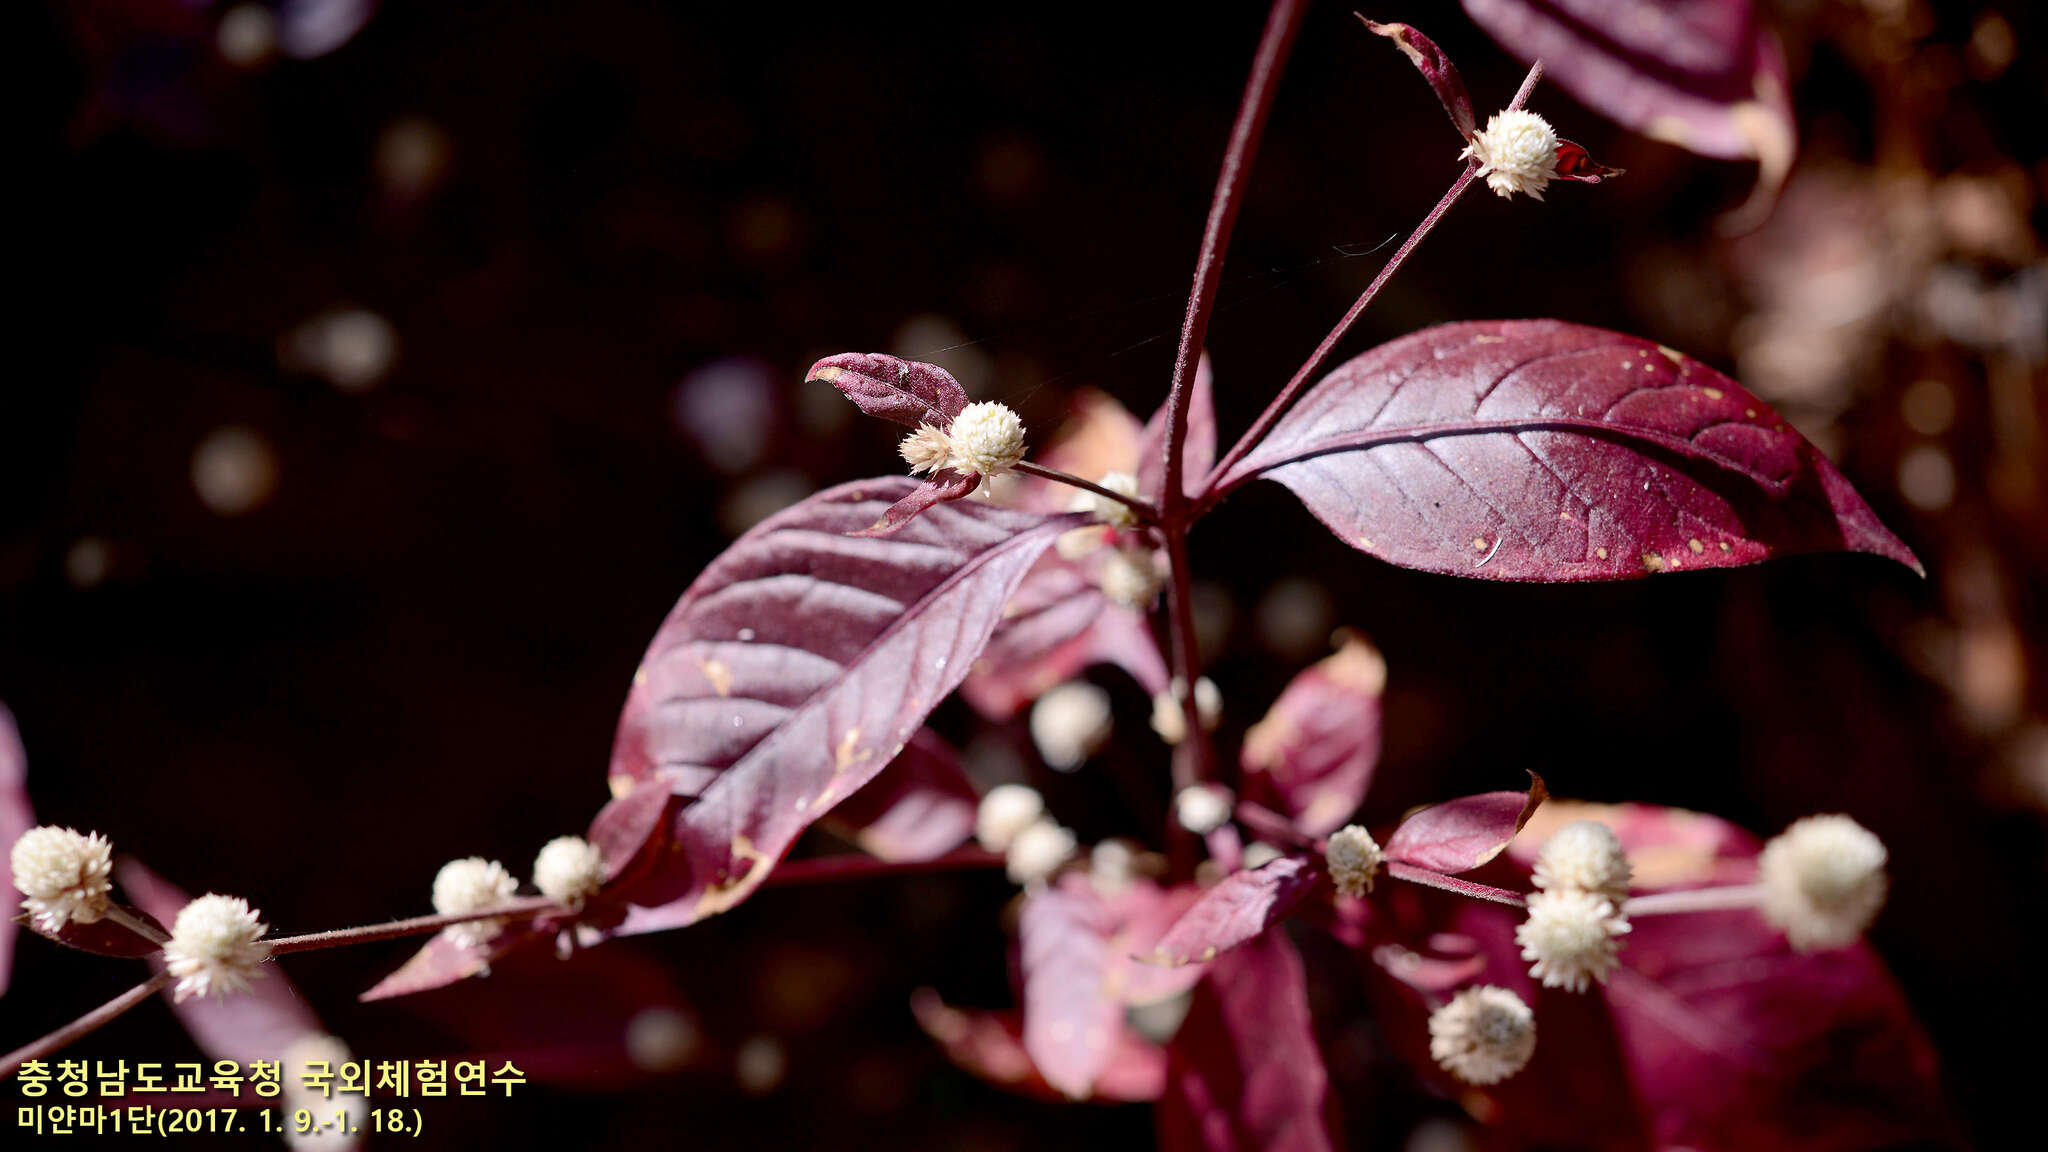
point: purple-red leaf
(944, 486)
(258, 1024)
(1701, 74)
(1312, 755)
(796, 667)
(991, 1045)
(1071, 1015)
(920, 807)
(1540, 450)
(1198, 451)
(446, 959)
(1056, 624)
(1437, 70)
(17, 816)
(1243, 1073)
(901, 390)
(1573, 163)
(1460, 835)
(1237, 908)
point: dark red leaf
(258, 1024)
(446, 959)
(1540, 450)
(1057, 624)
(1237, 908)
(1460, 835)
(945, 485)
(1198, 451)
(102, 937)
(1243, 1073)
(1701, 74)
(17, 815)
(796, 667)
(622, 829)
(1312, 756)
(1437, 70)
(920, 807)
(901, 390)
(1426, 973)
(1071, 1015)
(1574, 164)
(991, 1045)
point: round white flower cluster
(64, 874)
(1572, 936)
(1483, 1035)
(1586, 855)
(569, 870)
(1517, 153)
(985, 438)
(1070, 723)
(216, 944)
(1823, 881)
(1353, 859)
(471, 885)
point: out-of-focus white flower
(1353, 859)
(1484, 1035)
(926, 449)
(1201, 808)
(1258, 854)
(987, 438)
(1572, 936)
(1114, 512)
(1007, 810)
(471, 885)
(1070, 723)
(1823, 881)
(1171, 724)
(322, 1055)
(64, 873)
(1517, 153)
(1130, 577)
(1112, 865)
(216, 945)
(1038, 851)
(569, 870)
(1585, 855)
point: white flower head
(1112, 865)
(1517, 153)
(1572, 936)
(1484, 1035)
(216, 945)
(1070, 723)
(926, 449)
(1007, 810)
(471, 885)
(1823, 881)
(569, 870)
(1115, 513)
(1167, 718)
(1038, 851)
(1353, 858)
(1201, 808)
(65, 875)
(1131, 577)
(987, 438)
(1585, 855)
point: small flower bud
(1130, 577)
(1353, 859)
(926, 449)
(987, 438)
(1112, 865)
(1007, 810)
(1070, 723)
(1571, 936)
(1167, 719)
(1038, 851)
(471, 885)
(1258, 854)
(569, 870)
(1517, 153)
(1201, 808)
(65, 875)
(1585, 855)
(1823, 880)
(215, 946)
(1484, 1035)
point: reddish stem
(415, 926)
(1212, 489)
(1694, 900)
(1429, 879)
(1146, 512)
(1281, 24)
(1193, 760)
(85, 1025)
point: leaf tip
(823, 371)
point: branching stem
(1694, 900)
(1146, 512)
(83, 1026)
(413, 926)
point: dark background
(410, 641)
